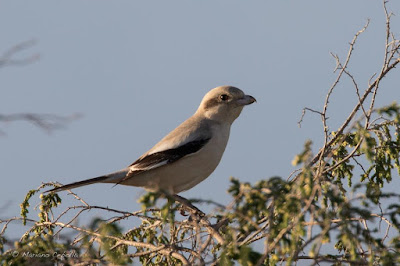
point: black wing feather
(171, 155)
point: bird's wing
(160, 158)
(185, 140)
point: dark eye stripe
(211, 103)
(216, 101)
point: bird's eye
(224, 97)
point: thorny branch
(392, 48)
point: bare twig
(7, 58)
(47, 122)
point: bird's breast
(201, 164)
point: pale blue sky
(137, 69)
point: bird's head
(224, 104)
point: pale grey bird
(187, 155)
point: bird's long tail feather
(110, 178)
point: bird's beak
(246, 100)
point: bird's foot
(188, 206)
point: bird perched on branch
(187, 155)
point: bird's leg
(198, 216)
(185, 202)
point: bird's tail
(110, 178)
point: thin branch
(47, 122)
(7, 58)
(167, 251)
